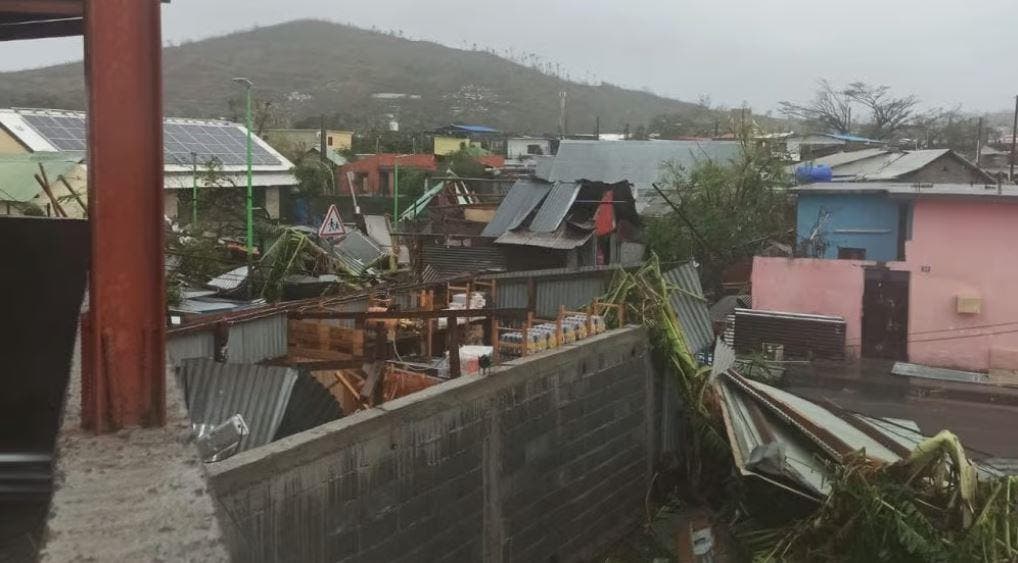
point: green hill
(306, 68)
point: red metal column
(123, 367)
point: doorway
(885, 314)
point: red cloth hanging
(604, 219)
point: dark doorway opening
(885, 314)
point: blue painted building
(852, 225)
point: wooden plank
(318, 354)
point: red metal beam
(124, 379)
(58, 8)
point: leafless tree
(888, 114)
(830, 108)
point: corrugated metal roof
(521, 200)
(358, 252)
(216, 391)
(640, 163)
(905, 163)
(846, 157)
(607, 271)
(258, 339)
(190, 345)
(690, 307)
(229, 280)
(447, 260)
(565, 238)
(274, 401)
(555, 207)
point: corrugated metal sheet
(190, 345)
(554, 208)
(521, 200)
(724, 358)
(573, 293)
(580, 271)
(378, 229)
(511, 295)
(690, 307)
(915, 370)
(641, 163)
(462, 259)
(257, 340)
(358, 252)
(274, 401)
(803, 336)
(564, 238)
(216, 391)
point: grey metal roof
(875, 165)
(447, 260)
(690, 307)
(913, 191)
(274, 401)
(555, 207)
(640, 163)
(564, 238)
(521, 200)
(378, 229)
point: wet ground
(985, 417)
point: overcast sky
(758, 51)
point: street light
(250, 197)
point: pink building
(953, 300)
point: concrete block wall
(548, 457)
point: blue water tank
(809, 173)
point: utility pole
(1014, 131)
(979, 141)
(562, 98)
(597, 128)
(322, 146)
(194, 190)
(250, 192)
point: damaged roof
(17, 173)
(516, 206)
(357, 252)
(556, 215)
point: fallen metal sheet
(690, 306)
(274, 401)
(758, 415)
(926, 372)
(801, 335)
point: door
(885, 314)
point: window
(846, 253)
(329, 140)
(534, 149)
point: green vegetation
(724, 212)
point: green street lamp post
(250, 195)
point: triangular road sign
(332, 226)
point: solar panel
(224, 142)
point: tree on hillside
(831, 110)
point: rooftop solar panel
(224, 142)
